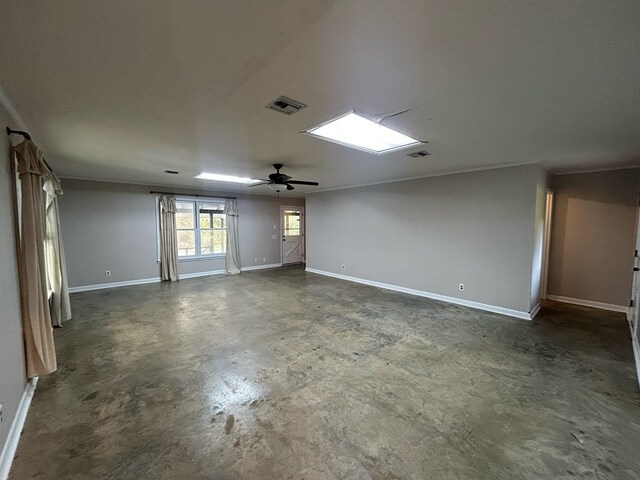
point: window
(291, 222)
(201, 228)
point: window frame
(196, 201)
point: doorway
(546, 244)
(292, 229)
(634, 309)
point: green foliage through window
(203, 234)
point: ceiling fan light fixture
(356, 131)
(278, 187)
(226, 178)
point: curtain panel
(54, 253)
(168, 239)
(36, 319)
(232, 257)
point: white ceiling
(124, 90)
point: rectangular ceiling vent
(285, 105)
(421, 153)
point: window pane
(185, 217)
(208, 213)
(218, 221)
(291, 222)
(206, 242)
(212, 241)
(220, 240)
(186, 243)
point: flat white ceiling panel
(124, 90)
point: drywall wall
(593, 236)
(12, 368)
(432, 234)
(112, 226)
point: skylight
(226, 178)
(353, 130)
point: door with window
(635, 295)
(292, 227)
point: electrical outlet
(273, 237)
(342, 267)
(107, 273)
(461, 287)
(275, 227)
(264, 259)
(256, 260)
(1, 417)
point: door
(292, 227)
(635, 295)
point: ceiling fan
(279, 181)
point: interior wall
(593, 236)
(12, 367)
(112, 226)
(432, 234)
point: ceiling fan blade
(302, 182)
(289, 187)
(261, 182)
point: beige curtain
(36, 321)
(168, 242)
(232, 257)
(54, 253)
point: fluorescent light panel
(358, 132)
(226, 178)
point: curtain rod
(191, 195)
(27, 136)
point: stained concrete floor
(282, 374)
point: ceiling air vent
(285, 105)
(421, 153)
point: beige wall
(12, 369)
(593, 236)
(112, 226)
(434, 233)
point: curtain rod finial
(19, 132)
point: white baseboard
(142, 281)
(535, 311)
(126, 283)
(11, 445)
(260, 267)
(202, 274)
(588, 303)
(443, 298)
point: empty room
(319, 239)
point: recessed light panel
(356, 131)
(226, 178)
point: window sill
(198, 259)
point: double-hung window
(201, 228)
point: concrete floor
(280, 374)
